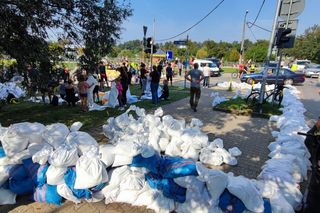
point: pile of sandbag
(165, 135)
(10, 88)
(289, 163)
(51, 162)
(217, 99)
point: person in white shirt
(206, 73)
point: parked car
(301, 64)
(213, 67)
(286, 76)
(216, 61)
(312, 70)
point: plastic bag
(106, 154)
(234, 151)
(64, 191)
(90, 171)
(82, 140)
(13, 143)
(70, 178)
(64, 156)
(152, 163)
(42, 156)
(47, 194)
(55, 175)
(76, 126)
(172, 167)
(56, 134)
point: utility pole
(265, 71)
(243, 36)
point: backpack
(55, 100)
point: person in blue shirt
(195, 76)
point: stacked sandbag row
(281, 175)
(165, 135)
(10, 88)
(51, 162)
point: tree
(202, 53)
(93, 23)
(234, 55)
(258, 51)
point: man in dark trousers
(169, 73)
(195, 76)
(124, 82)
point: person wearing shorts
(83, 87)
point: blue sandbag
(173, 167)
(2, 153)
(41, 175)
(31, 168)
(47, 194)
(18, 172)
(152, 163)
(267, 206)
(230, 203)
(21, 187)
(70, 179)
(169, 188)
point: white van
(213, 67)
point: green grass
(239, 106)
(46, 114)
(229, 69)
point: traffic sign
(291, 8)
(183, 42)
(169, 55)
(292, 24)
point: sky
(224, 24)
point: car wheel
(250, 80)
(288, 82)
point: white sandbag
(127, 196)
(275, 134)
(279, 204)
(55, 175)
(129, 149)
(55, 134)
(106, 154)
(76, 126)
(7, 197)
(234, 151)
(121, 160)
(274, 118)
(162, 204)
(158, 112)
(218, 142)
(135, 180)
(246, 191)
(211, 158)
(33, 148)
(215, 180)
(110, 193)
(226, 156)
(163, 143)
(42, 156)
(64, 156)
(90, 171)
(12, 142)
(196, 122)
(83, 140)
(146, 196)
(64, 191)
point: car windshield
(212, 65)
(313, 66)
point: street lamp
(243, 35)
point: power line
(252, 32)
(194, 24)
(257, 14)
(259, 27)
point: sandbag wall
(151, 160)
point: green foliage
(234, 55)
(258, 51)
(202, 53)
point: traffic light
(148, 45)
(284, 40)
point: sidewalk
(250, 135)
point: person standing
(155, 79)
(124, 82)
(143, 77)
(169, 73)
(196, 76)
(180, 65)
(206, 73)
(103, 75)
(83, 87)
